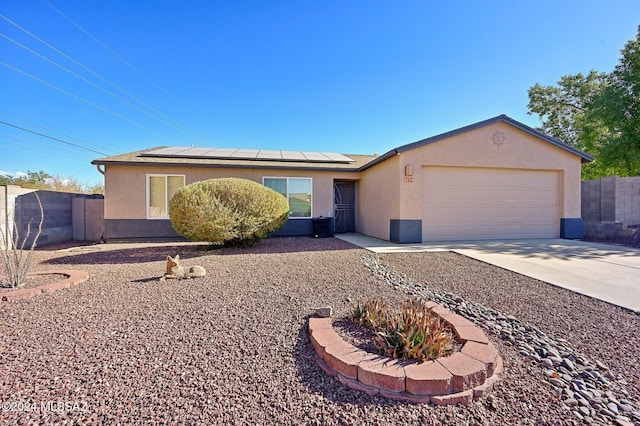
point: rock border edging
(74, 277)
(456, 379)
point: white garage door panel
(474, 203)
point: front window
(160, 189)
(297, 191)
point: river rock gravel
(233, 347)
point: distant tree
(35, 180)
(58, 183)
(45, 181)
(597, 113)
(96, 188)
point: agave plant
(414, 332)
(374, 314)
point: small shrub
(229, 211)
(413, 332)
(16, 258)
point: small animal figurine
(178, 272)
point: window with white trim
(298, 191)
(160, 189)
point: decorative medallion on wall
(498, 138)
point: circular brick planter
(455, 379)
(74, 277)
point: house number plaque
(408, 173)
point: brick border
(74, 277)
(455, 379)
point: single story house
(496, 179)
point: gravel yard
(233, 347)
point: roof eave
(224, 166)
(379, 159)
(585, 158)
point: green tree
(597, 113)
(617, 107)
(562, 108)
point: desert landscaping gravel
(233, 347)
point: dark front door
(344, 202)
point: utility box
(322, 227)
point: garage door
(463, 203)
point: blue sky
(355, 77)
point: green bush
(229, 211)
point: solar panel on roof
(198, 151)
(267, 154)
(223, 151)
(248, 154)
(293, 156)
(334, 156)
(169, 150)
(314, 156)
(245, 153)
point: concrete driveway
(605, 272)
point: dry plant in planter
(412, 332)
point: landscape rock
(233, 347)
(556, 356)
(324, 312)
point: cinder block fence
(67, 216)
(609, 205)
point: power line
(107, 48)
(114, 85)
(78, 76)
(43, 145)
(37, 143)
(86, 142)
(51, 137)
(88, 102)
(30, 150)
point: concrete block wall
(591, 201)
(56, 209)
(610, 204)
(67, 216)
(628, 201)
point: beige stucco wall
(125, 186)
(378, 198)
(384, 191)
(498, 146)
